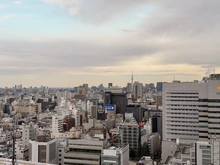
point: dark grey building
(137, 110)
(118, 99)
(156, 121)
(159, 86)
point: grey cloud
(99, 11)
(191, 27)
(127, 30)
(71, 54)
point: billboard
(109, 107)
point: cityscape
(167, 123)
(100, 82)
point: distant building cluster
(171, 124)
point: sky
(62, 43)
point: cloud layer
(155, 39)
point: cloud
(17, 2)
(72, 5)
(100, 11)
(127, 30)
(176, 38)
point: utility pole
(15, 123)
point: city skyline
(71, 42)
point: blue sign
(109, 107)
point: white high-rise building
(191, 110)
(180, 111)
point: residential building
(154, 143)
(129, 132)
(57, 126)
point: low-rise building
(84, 151)
(116, 156)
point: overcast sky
(70, 42)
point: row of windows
(210, 100)
(209, 106)
(182, 93)
(183, 100)
(184, 130)
(214, 128)
(183, 105)
(184, 96)
(184, 126)
(184, 114)
(195, 110)
(182, 121)
(184, 117)
(182, 134)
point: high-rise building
(156, 122)
(191, 110)
(129, 87)
(110, 84)
(82, 90)
(118, 99)
(151, 87)
(137, 110)
(129, 132)
(180, 111)
(159, 86)
(137, 90)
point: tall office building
(156, 121)
(151, 86)
(137, 110)
(137, 90)
(110, 84)
(118, 99)
(191, 110)
(159, 86)
(129, 87)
